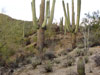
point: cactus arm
(65, 28)
(73, 15)
(61, 24)
(52, 13)
(78, 14)
(47, 12)
(68, 13)
(66, 17)
(48, 9)
(34, 13)
(42, 11)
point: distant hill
(11, 33)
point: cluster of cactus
(48, 17)
(42, 20)
(73, 28)
(81, 66)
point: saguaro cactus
(74, 27)
(42, 21)
(51, 13)
(61, 25)
(81, 66)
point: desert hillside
(19, 54)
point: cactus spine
(81, 66)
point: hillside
(19, 53)
(12, 33)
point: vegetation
(11, 32)
(42, 43)
(97, 60)
(81, 66)
(74, 27)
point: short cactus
(81, 66)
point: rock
(49, 55)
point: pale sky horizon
(21, 9)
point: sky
(21, 9)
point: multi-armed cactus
(81, 66)
(49, 15)
(42, 20)
(73, 28)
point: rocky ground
(59, 59)
(63, 64)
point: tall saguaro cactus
(74, 27)
(42, 21)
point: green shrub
(48, 67)
(86, 59)
(80, 52)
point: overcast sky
(21, 9)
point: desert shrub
(65, 52)
(49, 55)
(80, 52)
(56, 61)
(35, 39)
(5, 53)
(48, 66)
(80, 44)
(92, 21)
(90, 53)
(35, 63)
(25, 41)
(97, 59)
(72, 73)
(86, 59)
(70, 60)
